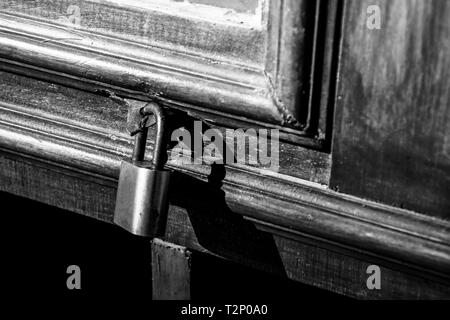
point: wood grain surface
(205, 228)
(269, 75)
(171, 271)
(62, 146)
(392, 129)
(58, 147)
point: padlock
(142, 195)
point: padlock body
(142, 199)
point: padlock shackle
(141, 137)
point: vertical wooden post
(171, 266)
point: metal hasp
(142, 195)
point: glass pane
(243, 12)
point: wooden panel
(171, 271)
(226, 234)
(262, 76)
(79, 119)
(392, 138)
(347, 274)
(227, 42)
(93, 148)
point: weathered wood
(171, 271)
(225, 234)
(100, 124)
(254, 74)
(228, 42)
(287, 202)
(391, 140)
(347, 274)
(63, 147)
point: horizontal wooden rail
(292, 205)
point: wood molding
(223, 234)
(87, 143)
(265, 93)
